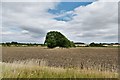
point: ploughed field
(89, 58)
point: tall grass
(39, 69)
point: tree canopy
(96, 45)
(56, 39)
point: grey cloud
(35, 32)
(111, 36)
(90, 21)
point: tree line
(20, 44)
(55, 39)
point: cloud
(58, 0)
(65, 17)
(96, 20)
(30, 22)
(34, 32)
(30, 17)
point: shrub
(56, 39)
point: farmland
(83, 58)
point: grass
(39, 69)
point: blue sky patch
(65, 7)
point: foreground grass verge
(18, 70)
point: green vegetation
(96, 45)
(16, 44)
(108, 45)
(21, 70)
(56, 39)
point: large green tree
(56, 39)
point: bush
(56, 39)
(95, 45)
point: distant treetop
(56, 39)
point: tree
(56, 39)
(95, 44)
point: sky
(86, 22)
